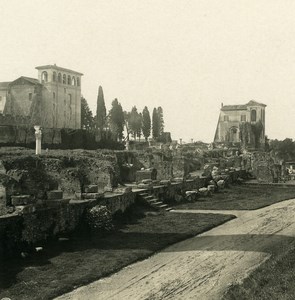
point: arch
(44, 76)
(64, 79)
(73, 80)
(54, 76)
(69, 80)
(59, 77)
(78, 81)
(253, 115)
(234, 134)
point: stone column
(38, 135)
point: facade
(52, 101)
(241, 123)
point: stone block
(146, 174)
(178, 179)
(21, 200)
(191, 195)
(54, 195)
(91, 189)
(25, 209)
(211, 188)
(165, 182)
(204, 191)
(145, 186)
(147, 181)
(91, 195)
(123, 190)
(221, 184)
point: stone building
(241, 124)
(53, 100)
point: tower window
(253, 115)
(53, 95)
(59, 77)
(70, 99)
(69, 80)
(30, 96)
(73, 81)
(44, 76)
(54, 76)
(64, 79)
(78, 81)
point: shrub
(99, 218)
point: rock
(144, 186)
(204, 191)
(21, 200)
(91, 188)
(25, 209)
(123, 190)
(191, 195)
(221, 184)
(39, 249)
(211, 188)
(147, 181)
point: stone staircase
(154, 202)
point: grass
(63, 266)
(272, 280)
(240, 197)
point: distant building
(53, 100)
(241, 124)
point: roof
(29, 79)
(4, 85)
(55, 67)
(242, 106)
(234, 107)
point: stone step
(54, 195)
(163, 206)
(147, 197)
(144, 194)
(157, 203)
(152, 200)
(168, 208)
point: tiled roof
(234, 107)
(242, 106)
(4, 85)
(57, 69)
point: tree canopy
(116, 118)
(86, 115)
(146, 123)
(100, 111)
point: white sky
(186, 56)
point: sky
(186, 56)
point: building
(53, 100)
(241, 124)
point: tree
(126, 123)
(100, 112)
(116, 117)
(135, 122)
(146, 123)
(86, 115)
(160, 120)
(156, 130)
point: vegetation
(86, 115)
(86, 257)
(146, 123)
(116, 118)
(100, 112)
(283, 149)
(135, 122)
(242, 197)
(272, 280)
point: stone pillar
(38, 135)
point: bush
(99, 218)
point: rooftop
(242, 106)
(55, 67)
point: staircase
(154, 202)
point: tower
(61, 97)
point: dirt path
(204, 266)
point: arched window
(59, 77)
(73, 81)
(44, 76)
(69, 80)
(78, 81)
(64, 79)
(54, 76)
(253, 115)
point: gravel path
(204, 266)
